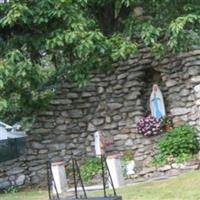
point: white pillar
(97, 143)
(58, 170)
(197, 102)
(114, 166)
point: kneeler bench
(94, 198)
(106, 177)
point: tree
(43, 42)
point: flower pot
(167, 128)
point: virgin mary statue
(156, 103)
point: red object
(167, 128)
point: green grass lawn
(184, 187)
(28, 195)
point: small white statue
(130, 168)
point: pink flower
(149, 126)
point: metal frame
(106, 176)
(104, 169)
(51, 182)
(77, 177)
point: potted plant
(167, 123)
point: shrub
(178, 143)
(90, 169)
(149, 126)
(184, 158)
(11, 190)
(127, 156)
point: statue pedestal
(58, 171)
(114, 166)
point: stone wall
(114, 103)
(13, 173)
(181, 78)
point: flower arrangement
(149, 126)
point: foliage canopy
(44, 41)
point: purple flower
(149, 126)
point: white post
(114, 166)
(97, 143)
(100, 143)
(58, 171)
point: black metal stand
(51, 183)
(103, 175)
(106, 176)
(77, 178)
(110, 178)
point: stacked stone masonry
(114, 103)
